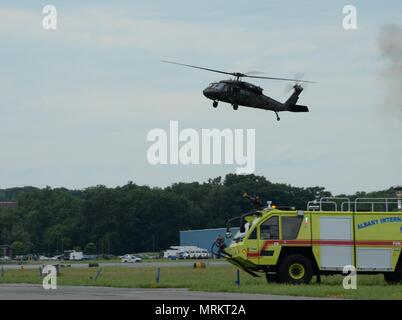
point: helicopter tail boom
(297, 108)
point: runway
(36, 292)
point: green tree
(18, 248)
(90, 248)
(134, 218)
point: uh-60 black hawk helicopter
(241, 93)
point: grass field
(115, 260)
(213, 278)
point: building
(204, 238)
(8, 204)
(5, 250)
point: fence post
(158, 275)
(238, 277)
(98, 273)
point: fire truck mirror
(242, 226)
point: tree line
(134, 218)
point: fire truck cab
(292, 246)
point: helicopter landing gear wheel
(277, 116)
(235, 107)
(215, 104)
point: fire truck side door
(252, 246)
(269, 241)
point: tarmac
(36, 292)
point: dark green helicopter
(241, 93)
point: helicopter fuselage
(241, 93)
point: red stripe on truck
(382, 243)
(253, 254)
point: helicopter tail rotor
(297, 83)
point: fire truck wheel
(394, 277)
(295, 269)
(391, 277)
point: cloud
(113, 28)
(19, 22)
(85, 95)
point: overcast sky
(76, 104)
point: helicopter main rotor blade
(281, 79)
(254, 72)
(196, 67)
(238, 75)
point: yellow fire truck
(292, 246)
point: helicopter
(241, 93)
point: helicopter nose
(208, 93)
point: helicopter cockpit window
(220, 87)
(245, 92)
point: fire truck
(292, 246)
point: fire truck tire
(394, 277)
(391, 277)
(295, 269)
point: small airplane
(241, 93)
